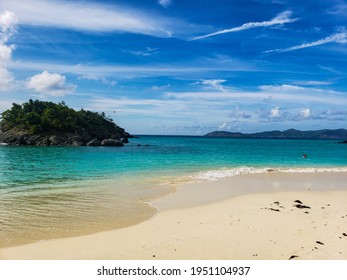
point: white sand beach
(280, 216)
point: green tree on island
(42, 117)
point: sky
(181, 67)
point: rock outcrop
(21, 138)
(112, 142)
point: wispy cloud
(334, 38)
(313, 83)
(338, 9)
(87, 16)
(124, 71)
(95, 78)
(280, 19)
(164, 3)
(147, 52)
(214, 84)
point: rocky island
(42, 123)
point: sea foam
(213, 175)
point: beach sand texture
(309, 222)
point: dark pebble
(300, 206)
(298, 201)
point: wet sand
(257, 216)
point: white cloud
(8, 22)
(334, 38)
(239, 114)
(215, 84)
(164, 3)
(50, 84)
(7, 28)
(275, 112)
(305, 113)
(5, 54)
(95, 17)
(6, 79)
(280, 19)
(229, 126)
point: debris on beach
(293, 256)
(273, 209)
(298, 201)
(301, 206)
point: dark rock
(112, 142)
(45, 141)
(300, 206)
(125, 140)
(77, 143)
(32, 140)
(293, 256)
(342, 142)
(318, 242)
(94, 142)
(344, 234)
(56, 140)
(75, 140)
(298, 201)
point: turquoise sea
(52, 192)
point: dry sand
(291, 216)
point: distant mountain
(286, 134)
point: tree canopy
(40, 117)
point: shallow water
(50, 192)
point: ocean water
(52, 192)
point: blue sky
(179, 66)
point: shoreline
(212, 220)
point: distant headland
(42, 123)
(336, 134)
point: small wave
(3, 144)
(213, 175)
